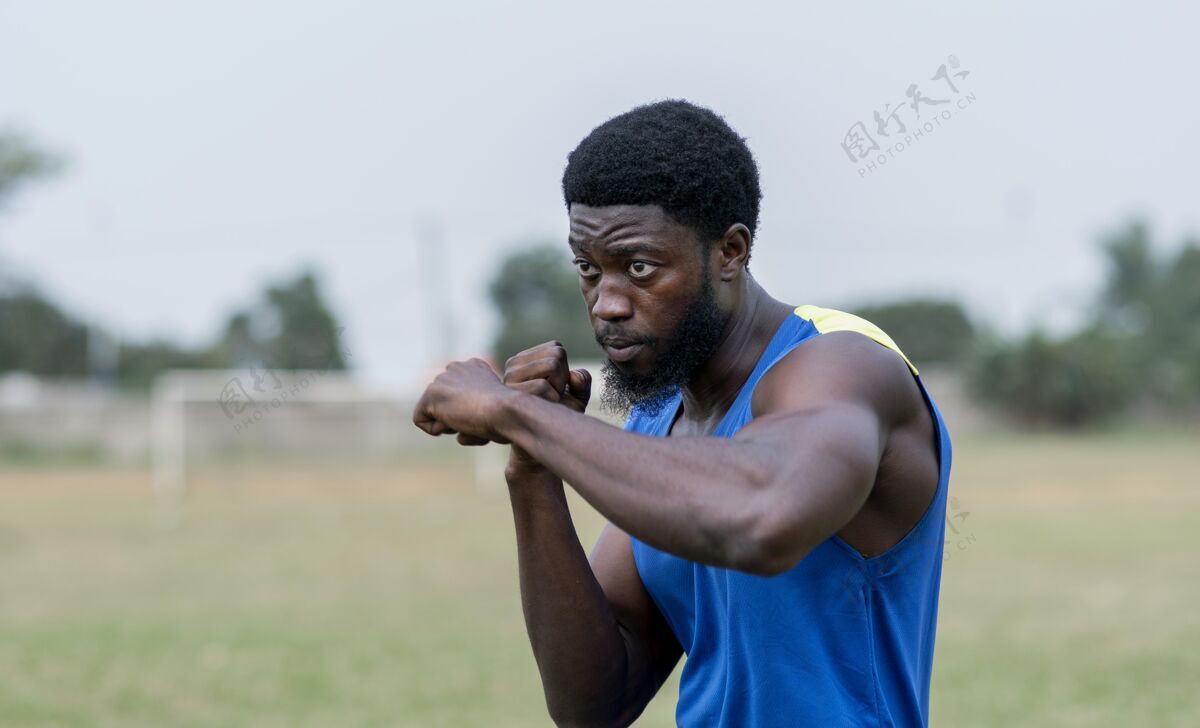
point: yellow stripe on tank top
(827, 320)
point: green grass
(387, 596)
(21, 452)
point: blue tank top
(838, 640)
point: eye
(641, 270)
(585, 268)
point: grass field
(309, 596)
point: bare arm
(758, 502)
(601, 645)
(602, 649)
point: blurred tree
(537, 296)
(20, 162)
(928, 331)
(1168, 342)
(309, 337)
(1131, 266)
(138, 365)
(292, 328)
(1142, 344)
(238, 346)
(1072, 382)
(1156, 304)
(1177, 325)
(36, 337)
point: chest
(685, 427)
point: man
(776, 501)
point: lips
(623, 352)
(620, 350)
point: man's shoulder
(849, 362)
(830, 320)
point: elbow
(569, 717)
(768, 544)
(768, 562)
(566, 710)
(587, 723)
(564, 713)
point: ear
(732, 251)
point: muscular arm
(758, 502)
(601, 645)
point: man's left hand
(464, 399)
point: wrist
(532, 484)
(522, 466)
(504, 414)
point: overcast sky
(221, 145)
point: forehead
(602, 229)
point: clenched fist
(465, 399)
(543, 371)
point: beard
(692, 342)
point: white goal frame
(246, 396)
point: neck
(715, 385)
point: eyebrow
(617, 250)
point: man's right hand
(543, 372)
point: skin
(841, 443)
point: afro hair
(682, 157)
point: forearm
(692, 497)
(579, 648)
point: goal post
(208, 412)
(197, 414)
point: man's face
(649, 290)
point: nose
(612, 302)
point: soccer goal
(214, 415)
(206, 416)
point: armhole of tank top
(874, 333)
(939, 495)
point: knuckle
(517, 374)
(518, 360)
(546, 391)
